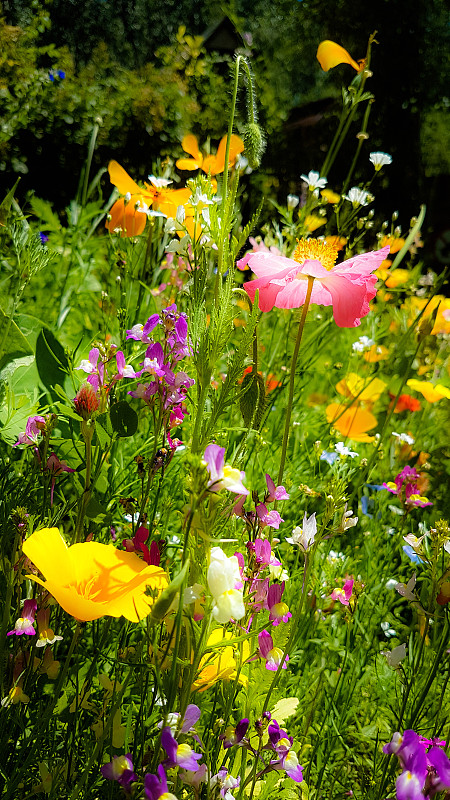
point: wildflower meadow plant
(225, 557)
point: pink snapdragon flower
(25, 623)
(275, 492)
(279, 611)
(34, 427)
(272, 655)
(222, 476)
(344, 594)
(348, 286)
(406, 487)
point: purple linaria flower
(155, 786)
(279, 611)
(25, 623)
(180, 754)
(120, 769)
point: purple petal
(265, 643)
(191, 716)
(169, 743)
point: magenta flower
(25, 623)
(155, 786)
(34, 427)
(222, 476)
(424, 773)
(406, 487)
(348, 287)
(275, 492)
(272, 655)
(279, 611)
(271, 518)
(344, 594)
(120, 769)
(124, 370)
(180, 754)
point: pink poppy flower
(348, 286)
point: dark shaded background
(411, 74)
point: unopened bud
(254, 143)
(395, 216)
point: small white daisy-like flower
(341, 448)
(380, 160)
(358, 197)
(293, 200)
(159, 183)
(314, 180)
(403, 437)
(361, 344)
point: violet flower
(179, 754)
(235, 735)
(34, 427)
(155, 786)
(120, 769)
(271, 518)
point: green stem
(90, 154)
(32, 743)
(292, 379)
(88, 432)
(220, 269)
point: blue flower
(411, 553)
(330, 458)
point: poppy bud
(255, 144)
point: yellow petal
(351, 423)
(190, 145)
(431, 392)
(120, 178)
(236, 147)
(49, 553)
(188, 163)
(330, 54)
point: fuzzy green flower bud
(255, 144)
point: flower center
(315, 250)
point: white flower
(380, 160)
(347, 520)
(278, 572)
(344, 451)
(363, 343)
(223, 578)
(292, 200)
(181, 214)
(159, 183)
(358, 197)
(314, 180)
(391, 583)
(333, 556)
(304, 537)
(403, 437)
(388, 631)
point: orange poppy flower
(210, 164)
(128, 213)
(330, 54)
(92, 580)
(353, 423)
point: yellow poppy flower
(221, 663)
(92, 580)
(397, 278)
(313, 221)
(210, 164)
(378, 352)
(431, 392)
(353, 423)
(366, 390)
(331, 197)
(330, 54)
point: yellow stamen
(315, 250)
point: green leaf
(43, 211)
(252, 399)
(96, 512)
(51, 359)
(123, 419)
(166, 597)
(14, 344)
